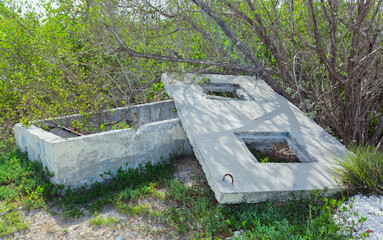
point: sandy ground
(47, 224)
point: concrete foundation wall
(77, 161)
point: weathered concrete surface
(216, 128)
(76, 161)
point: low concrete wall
(77, 161)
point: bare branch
(319, 47)
(368, 57)
(124, 48)
(296, 27)
(208, 37)
(261, 33)
(233, 37)
(230, 34)
(378, 131)
(160, 11)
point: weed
(97, 221)
(204, 80)
(99, 204)
(130, 184)
(363, 170)
(24, 181)
(34, 199)
(134, 209)
(71, 211)
(200, 215)
(112, 222)
(10, 219)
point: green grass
(191, 211)
(363, 170)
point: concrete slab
(79, 160)
(219, 128)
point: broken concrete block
(78, 160)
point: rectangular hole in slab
(223, 94)
(273, 153)
(222, 91)
(274, 148)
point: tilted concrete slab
(219, 127)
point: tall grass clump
(362, 170)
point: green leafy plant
(199, 214)
(192, 211)
(10, 219)
(204, 80)
(97, 221)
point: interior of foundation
(223, 94)
(221, 91)
(128, 117)
(273, 148)
(276, 153)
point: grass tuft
(363, 170)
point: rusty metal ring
(228, 174)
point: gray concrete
(217, 128)
(78, 160)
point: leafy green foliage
(23, 180)
(193, 210)
(99, 221)
(362, 169)
(10, 220)
(54, 64)
(199, 214)
(63, 63)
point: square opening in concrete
(223, 94)
(276, 153)
(222, 91)
(274, 148)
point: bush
(363, 170)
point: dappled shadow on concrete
(211, 125)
